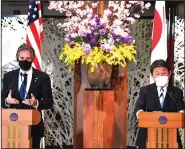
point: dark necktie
(23, 86)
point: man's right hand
(137, 114)
(10, 100)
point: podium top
(161, 120)
(20, 116)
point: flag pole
(170, 37)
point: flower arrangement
(95, 39)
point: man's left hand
(32, 101)
(181, 111)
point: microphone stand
(173, 100)
(4, 97)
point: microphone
(147, 105)
(4, 96)
(26, 93)
(171, 95)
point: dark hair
(25, 47)
(159, 63)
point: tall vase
(100, 78)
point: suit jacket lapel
(32, 84)
(169, 90)
(15, 86)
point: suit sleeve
(47, 99)
(4, 91)
(180, 101)
(141, 102)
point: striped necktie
(161, 97)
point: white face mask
(161, 81)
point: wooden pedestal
(120, 85)
(98, 119)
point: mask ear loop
(17, 57)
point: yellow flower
(71, 54)
(117, 56)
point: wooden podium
(16, 127)
(162, 128)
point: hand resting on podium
(137, 114)
(181, 111)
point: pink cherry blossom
(68, 13)
(107, 12)
(82, 22)
(147, 5)
(94, 5)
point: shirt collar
(29, 72)
(164, 88)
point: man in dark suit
(159, 96)
(27, 88)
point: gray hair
(25, 47)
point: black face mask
(25, 64)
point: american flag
(35, 31)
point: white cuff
(36, 104)
(137, 113)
